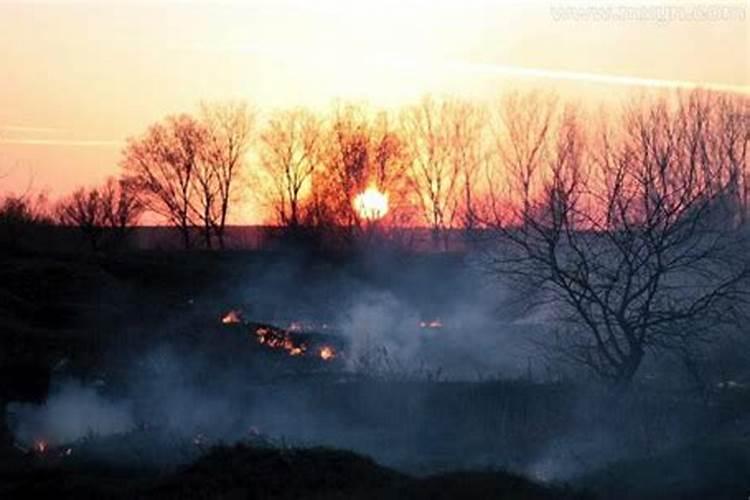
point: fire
(283, 340)
(327, 353)
(434, 324)
(371, 204)
(41, 446)
(232, 317)
(279, 339)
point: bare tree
(360, 150)
(162, 165)
(629, 240)
(122, 208)
(726, 119)
(389, 169)
(206, 196)
(468, 150)
(102, 214)
(290, 153)
(523, 132)
(84, 210)
(434, 176)
(20, 217)
(347, 158)
(230, 128)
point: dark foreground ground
(92, 319)
(263, 473)
(266, 472)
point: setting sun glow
(371, 204)
(103, 72)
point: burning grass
(298, 340)
(327, 353)
(233, 317)
(434, 324)
(450, 423)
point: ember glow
(371, 204)
(434, 324)
(327, 353)
(41, 446)
(281, 340)
(232, 318)
(288, 341)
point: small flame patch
(41, 446)
(233, 317)
(327, 353)
(433, 324)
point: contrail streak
(600, 78)
(490, 69)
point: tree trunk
(207, 236)
(185, 230)
(628, 368)
(222, 226)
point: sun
(371, 204)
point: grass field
(141, 333)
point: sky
(79, 77)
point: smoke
(71, 412)
(380, 329)
(221, 387)
(550, 432)
(469, 393)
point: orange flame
(284, 340)
(327, 353)
(41, 446)
(434, 324)
(279, 340)
(232, 317)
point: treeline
(627, 228)
(444, 164)
(304, 169)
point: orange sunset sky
(78, 78)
